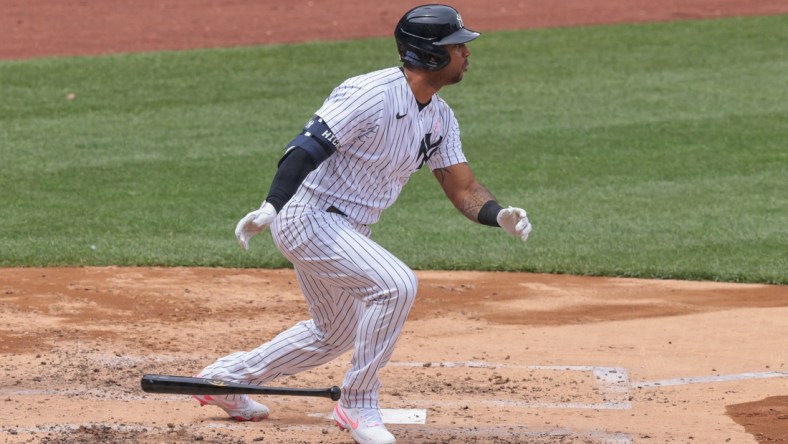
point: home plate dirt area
(484, 358)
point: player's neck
(422, 84)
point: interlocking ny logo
(427, 149)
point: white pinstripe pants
(359, 296)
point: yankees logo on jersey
(427, 149)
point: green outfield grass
(652, 150)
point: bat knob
(335, 393)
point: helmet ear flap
(424, 30)
(431, 61)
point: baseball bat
(184, 385)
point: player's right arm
(304, 154)
(351, 111)
(308, 150)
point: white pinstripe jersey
(383, 139)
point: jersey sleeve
(450, 153)
(352, 113)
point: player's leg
(387, 303)
(339, 254)
(307, 344)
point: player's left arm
(477, 203)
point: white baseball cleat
(239, 407)
(365, 425)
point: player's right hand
(253, 223)
(515, 222)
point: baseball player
(335, 178)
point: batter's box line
(612, 382)
(708, 379)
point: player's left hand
(515, 222)
(253, 223)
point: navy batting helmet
(423, 31)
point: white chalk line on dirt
(612, 383)
(708, 379)
(530, 404)
(612, 378)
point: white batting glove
(253, 223)
(515, 222)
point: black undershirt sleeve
(293, 168)
(310, 148)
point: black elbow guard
(317, 139)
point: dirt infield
(78, 27)
(484, 358)
(489, 357)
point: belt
(335, 210)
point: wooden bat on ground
(184, 385)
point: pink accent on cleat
(365, 425)
(241, 408)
